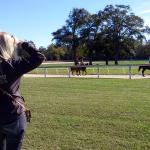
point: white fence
(95, 71)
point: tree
(69, 34)
(143, 51)
(89, 32)
(121, 26)
(54, 53)
(102, 42)
(112, 33)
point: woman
(12, 67)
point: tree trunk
(116, 52)
(106, 62)
(116, 60)
(74, 53)
(90, 62)
(90, 57)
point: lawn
(87, 114)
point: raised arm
(24, 65)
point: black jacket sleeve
(24, 65)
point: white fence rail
(95, 71)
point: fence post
(129, 71)
(98, 71)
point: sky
(36, 19)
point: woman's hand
(19, 44)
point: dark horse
(144, 67)
(79, 70)
(75, 69)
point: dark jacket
(11, 72)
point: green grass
(87, 114)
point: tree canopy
(109, 34)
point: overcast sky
(36, 19)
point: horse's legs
(77, 72)
(143, 70)
(73, 72)
(82, 72)
(139, 68)
(85, 71)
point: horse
(75, 69)
(144, 67)
(83, 68)
(80, 70)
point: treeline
(111, 34)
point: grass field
(87, 114)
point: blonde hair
(8, 46)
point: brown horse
(83, 68)
(75, 69)
(144, 67)
(79, 70)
